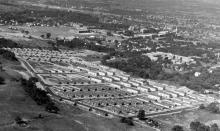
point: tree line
(38, 95)
(8, 43)
(213, 107)
(58, 17)
(77, 43)
(8, 55)
(137, 65)
(197, 126)
(2, 80)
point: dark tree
(203, 127)
(109, 33)
(38, 95)
(202, 106)
(2, 81)
(123, 120)
(42, 36)
(128, 120)
(214, 127)
(48, 35)
(50, 107)
(177, 128)
(213, 107)
(197, 126)
(8, 55)
(18, 119)
(194, 125)
(1, 68)
(141, 115)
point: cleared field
(23, 39)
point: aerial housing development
(109, 65)
(105, 89)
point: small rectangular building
(154, 97)
(109, 73)
(163, 94)
(131, 90)
(151, 88)
(133, 83)
(177, 92)
(101, 73)
(125, 84)
(140, 81)
(143, 89)
(108, 79)
(115, 78)
(115, 85)
(83, 68)
(96, 80)
(171, 93)
(122, 77)
(92, 73)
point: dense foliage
(198, 126)
(2, 80)
(141, 115)
(38, 95)
(177, 128)
(213, 107)
(8, 43)
(127, 120)
(138, 65)
(53, 16)
(8, 55)
(82, 44)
